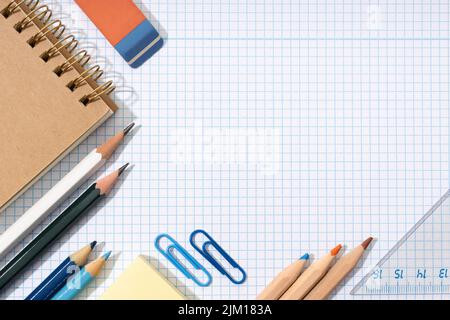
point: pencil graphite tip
(93, 244)
(106, 184)
(122, 168)
(111, 145)
(128, 128)
(366, 243)
(336, 250)
(304, 257)
(106, 255)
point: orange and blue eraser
(125, 26)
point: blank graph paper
(280, 127)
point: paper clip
(168, 253)
(204, 252)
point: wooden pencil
(338, 272)
(60, 191)
(283, 280)
(81, 279)
(57, 279)
(81, 205)
(311, 276)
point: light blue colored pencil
(81, 279)
(58, 278)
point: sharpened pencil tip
(304, 257)
(106, 255)
(122, 168)
(366, 243)
(128, 128)
(336, 250)
(93, 244)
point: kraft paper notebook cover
(44, 113)
(141, 281)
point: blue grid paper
(280, 127)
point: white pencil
(72, 180)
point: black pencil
(43, 240)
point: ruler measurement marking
(419, 275)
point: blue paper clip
(204, 252)
(176, 246)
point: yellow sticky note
(142, 281)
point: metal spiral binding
(57, 30)
(13, 5)
(42, 13)
(105, 88)
(94, 73)
(81, 57)
(69, 43)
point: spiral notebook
(50, 99)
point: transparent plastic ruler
(420, 261)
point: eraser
(125, 27)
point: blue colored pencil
(57, 279)
(81, 279)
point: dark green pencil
(43, 240)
